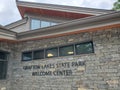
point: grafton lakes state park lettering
(54, 69)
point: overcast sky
(9, 12)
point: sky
(9, 12)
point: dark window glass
(27, 56)
(84, 48)
(3, 65)
(3, 56)
(3, 68)
(53, 52)
(66, 50)
(38, 54)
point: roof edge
(75, 22)
(63, 8)
(17, 23)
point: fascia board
(71, 9)
(17, 23)
(7, 34)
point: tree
(117, 6)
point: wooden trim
(8, 40)
(46, 12)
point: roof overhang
(89, 24)
(58, 10)
(7, 35)
(53, 13)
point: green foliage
(117, 6)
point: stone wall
(5, 84)
(96, 71)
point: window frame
(51, 49)
(66, 46)
(27, 52)
(31, 28)
(58, 51)
(40, 24)
(82, 44)
(6, 63)
(39, 51)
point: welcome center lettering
(52, 69)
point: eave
(53, 13)
(7, 35)
(89, 24)
(17, 23)
(58, 10)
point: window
(66, 50)
(3, 65)
(36, 23)
(73, 49)
(44, 24)
(38, 54)
(52, 24)
(84, 48)
(26, 56)
(53, 52)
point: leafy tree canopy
(117, 6)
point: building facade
(58, 47)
